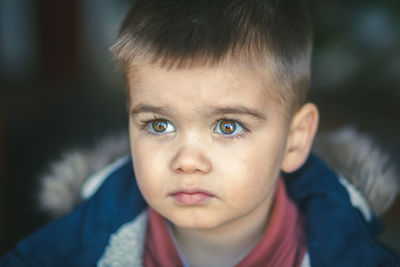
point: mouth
(188, 197)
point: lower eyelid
(225, 137)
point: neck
(226, 244)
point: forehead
(200, 87)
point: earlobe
(301, 135)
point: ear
(301, 135)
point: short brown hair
(186, 33)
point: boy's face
(207, 144)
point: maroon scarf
(283, 243)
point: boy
(217, 102)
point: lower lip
(191, 198)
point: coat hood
(354, 156)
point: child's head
(217, 92)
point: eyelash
(145, 124)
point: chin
(193, 222)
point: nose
(191, 158)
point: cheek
(148, 170)
(249, 184)
(252, 172)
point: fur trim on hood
(60, 189)
(353, 155)
(363, 163)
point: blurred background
(59, 88)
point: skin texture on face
(193, 152)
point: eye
(160, 126)
(228, 127)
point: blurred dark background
(59, 88)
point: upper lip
(191, 191)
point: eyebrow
(141, 108)
(240, 110)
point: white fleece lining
(126, 245)
(96, 180)
(357, 199)
(306, 260)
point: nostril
(179, 170)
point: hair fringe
(186, 34)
